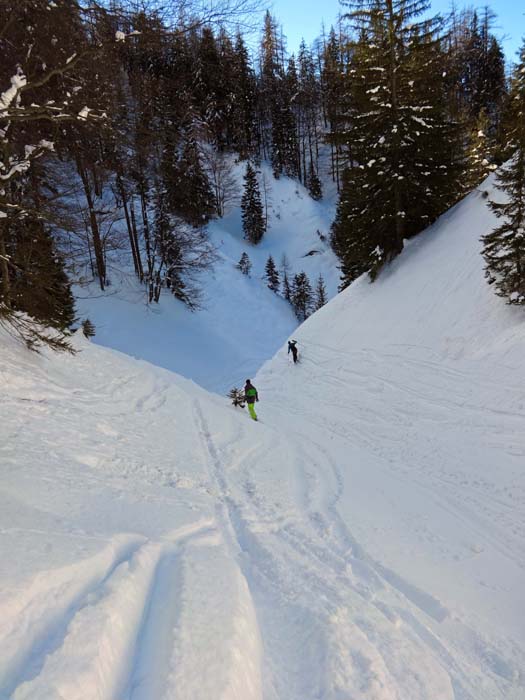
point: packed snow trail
(365, 540)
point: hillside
(241, 322)
(365, 539)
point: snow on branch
(15, 166)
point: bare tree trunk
(4, 269)
(136, 237)
(303, 144)
(147, 238)
(337, 160)
(95, 231)
(265, 192)
(310, 141)
(137, 263)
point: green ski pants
(251, 408)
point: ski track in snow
(365, 539)
(327, 620)
(312, 613)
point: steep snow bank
(413, 390)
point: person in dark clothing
(292, 347)
(251, 396)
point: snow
(365, 539)
(18, 81)
(242, 322)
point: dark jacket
(250, 393)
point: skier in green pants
(251, 396)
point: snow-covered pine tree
(244, 264)
(189, 192)
(354, 249)
(405, 149)
(320, 293)
(251, 207)
(39, 286)
(301, 296)
(504, 247)
(272, 275)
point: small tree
(88, 328)
(301, 296)
(314, 183)
(284, 272)
(188, 189)
(251, 207)
(237, 397)
(320, 293)
(287, 290)
(244, 264)
(272, 275)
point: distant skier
(292, 347)
(251, 396)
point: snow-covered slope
(118, 578)
(242, 322)
(365, 539)
(412, 393)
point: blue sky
(303, 18)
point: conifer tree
(251, 207)
(284, 267)
(301, 296)
(244, 129)
(244, 264)
(88, 328)
(313, 183)
(39, 285)
(405, 150)
(284, 270)
(286, 288)
(272, 275)
(475, 70)
(354, 249)
(278, 127)
(189, 192)
(334, 98)
(307, 103)
(504, 247)
(320, 293)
